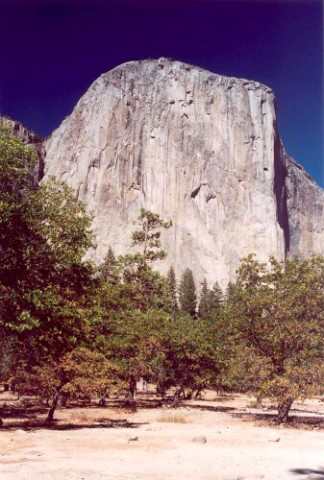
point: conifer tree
(172, 291)
(215, 299)
(230, 290)
(148, 286)
(210, 300)
(108, 270)
(205, 298)
(148, 237)
(187, 293)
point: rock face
(305, 202)
(198, 148)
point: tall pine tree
(215, 299)
(109, 268)
(172, 291)
(204, 304)
(187, 293)
(211, 300)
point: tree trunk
(176, 397)
(188, 395)
(50, 416)
(258, 401)
(161, 390)
(63, 400)
(102, 401)
(131, 403)
(283, 410)
(198, 394)
(132, 388)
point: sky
(52, 50)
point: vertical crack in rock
(280, 191)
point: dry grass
(173, 418)
(255, 404)
(80, 417)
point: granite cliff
(198, 148)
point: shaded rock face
(198, 148)
(305, 201)
(28, 138)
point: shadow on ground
(314, 474)
(33, 416)
(38, 424)
(208, 408)
(22, 412)
(295, 420)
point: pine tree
(146, 286)
(148, 237)
(187, 293)
(108, 269)
(172, 291)
(204, 304)
(215, 299)
(230, 293)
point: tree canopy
(278, 317)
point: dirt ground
(220, 438)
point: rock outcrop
(198, 148)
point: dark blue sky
(51, 50)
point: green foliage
(129, 301)
(187, 293)
(81, 373)
(191, 356)
(43, 282)
(278, 318)
(45, 287)
(16, 171)
(44, 233)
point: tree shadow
(223, 397)
(38, 424)
(22, 412)
(310, 412)
(316, 474)
(140, 403)
(297, 421)
(33, 417)
(207, 408)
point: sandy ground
(207, 440)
